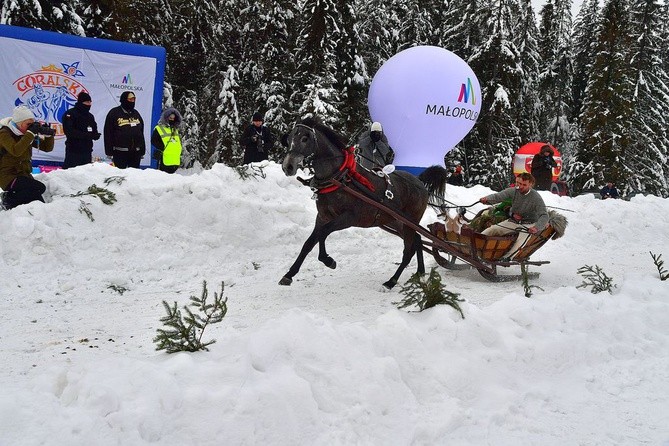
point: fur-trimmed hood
(166, 113)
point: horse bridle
(309, 157)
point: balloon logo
(522, 160)
(427, 99)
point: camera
(41, 129)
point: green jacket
(16, 154)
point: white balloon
(427, 99)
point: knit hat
(257, 116)
(84, 97)
(22, 113)
(376, 127)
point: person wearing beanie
(257, 140)
(456, 178)
(373, 150)
(167, 141)
(124, 133)
(542, 168)
(19, 134)
(80, 131)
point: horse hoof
(389, 285)
(329, 262)
(285, 281)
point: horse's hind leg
(410, 237)
(418, 246)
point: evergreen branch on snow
(527, 288)
(246, 171)
(114, 179)
(83, 208)
(657, 259)
(184, 332)
(105, 195)
(428, 293)
(596, 279)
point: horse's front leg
(309, 244)
(320, 233)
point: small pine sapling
(184, 333)
(114, 179)
(659, 263)
(596, 278)
(428, 293)
(247, 171)
(527, 288)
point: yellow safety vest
(171, 144)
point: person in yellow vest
(166, 141)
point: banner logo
(49, 92)
(466, 91)
(126, 84)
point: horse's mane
(334, 137)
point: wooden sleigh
(484, 252)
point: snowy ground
(329, 360)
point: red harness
(349, 165)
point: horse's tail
(434, 178)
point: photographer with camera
(19, 133)
(80, 130)
(542, 168)
(257, 140)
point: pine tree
(607, 105)
(316, 62)
(585, 26)
(556, 72)
(529, 105)
(645, 159)
(461, 28)
(497, 66)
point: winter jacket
(530, 206)
(542, 171)
(609, 192)
(16, 152)
(455, 179)
(374, 153)
(80, 129)
(166, 140)
(256, 141)
(124, 131)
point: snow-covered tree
(607, 108)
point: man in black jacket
(542, 168)
(124, 133)
(257, 140)
(80, 130)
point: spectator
(528, 212)
(373, 148)
(542, 168)
(455, 178)
(124, 133)
(609, 191)
(166, 140)
(18, 135)
(80, 131)
(256, 140)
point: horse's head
(302, 142)
(313, 139)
